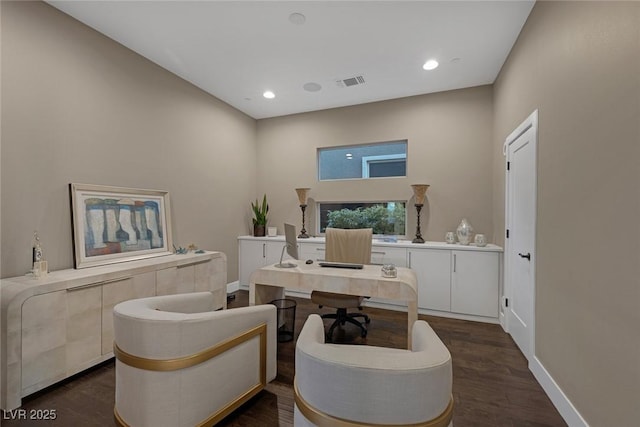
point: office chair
(352, 246)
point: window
(385, 159)
(385, 218)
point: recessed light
(269, 95)
(297, 18)
(312, 87)
(431, 64)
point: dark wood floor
(491, 383)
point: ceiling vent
(351, 81)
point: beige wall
(78, 107)
(579, 64)
(449, 148)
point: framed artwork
(116, 224)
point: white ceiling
(235, 50)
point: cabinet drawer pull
(92, 285)
(320, 249)
(454, 263)
(378, 252)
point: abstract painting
(116, 224)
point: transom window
(379, 160)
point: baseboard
(560, 400)
(233, 286)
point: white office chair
(352, 246)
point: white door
(521, 148)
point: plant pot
(259, 230)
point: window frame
(318, 215)
(383, 158)
(376, 158)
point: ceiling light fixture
(431, 64)
(269, 95)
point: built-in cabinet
(58, 325)
(258, 254)
(453, 280)
(433, 269)
(475, 283)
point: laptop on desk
(340, 265)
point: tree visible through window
(385, 218)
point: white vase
(450, 237)
(464, 232)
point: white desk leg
(264, 294)
(412, 316)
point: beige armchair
(349, 385)
(180, 364)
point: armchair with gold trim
(357, 385)
(178, 363)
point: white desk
(268, 283)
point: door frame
(530, 122)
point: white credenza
(453, 280)
(58, 325)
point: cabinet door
(433, 270)
(139, 286)
(475, 283)
(175, 280)
(388, 255)
(60, 335)
(273, 251)
(212, 276)
(312, 251)
(44, 334)
(186, 279)
(84, 328)
(252, 255)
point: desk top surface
(366, 281)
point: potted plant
(260, 212)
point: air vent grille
(351, 81)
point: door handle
(527, 256)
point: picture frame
(118, 224)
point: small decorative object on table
(302, 198)
(193, 248)
(260, 212)
(389, 270)
(39, 266)
(450, 237)
(480, 240)
(464, 232)
(180, 250)
(419, 191)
